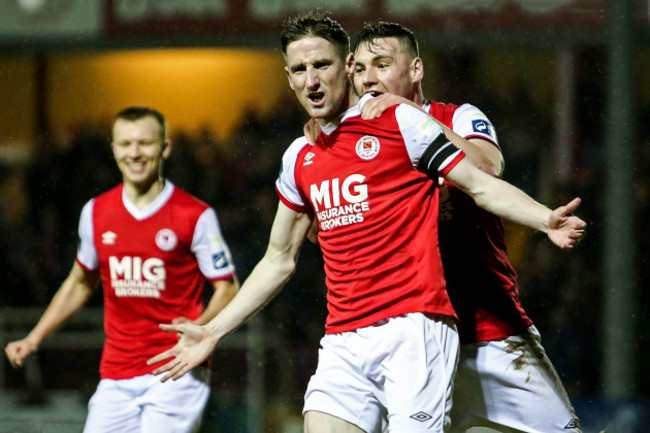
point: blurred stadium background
(566, 83)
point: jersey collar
(152, 207)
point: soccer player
(391, 342)
(504, 378)
(154, 246)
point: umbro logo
(108, 238)
(421, 416)
(308, 159)
(574, 423)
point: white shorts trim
(398, 370)
(145, 405)
(511, 384)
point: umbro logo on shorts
(421, 416)
(574, 423)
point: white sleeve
(86, 250)
(470, 122)
(428, 147)
(210, 248)
(286, 182)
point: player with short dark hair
(153, 246)
(391, 343)
(496, 335)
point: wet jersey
(365, 183)
(153, 264)
(481, 281)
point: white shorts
(398, 370)
(145, 405)
(510, 384)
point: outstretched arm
(71, 296)
(505, 200)
(265, 281)
(224, 291)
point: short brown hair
(138, 112)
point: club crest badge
(166, 239)
(367, 147)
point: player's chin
(318, 111)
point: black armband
(433, 157)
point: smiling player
(153, 246)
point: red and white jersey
(365, 182)
(481, 281)
(153, 264)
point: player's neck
(351, 99)
(419, 99)
(143, 195)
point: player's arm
(265, 281)
(433, 154)
(507, 201)
(484, 154)
(71, 296)
(224, 291)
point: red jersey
(376, 211)
(481, 281)
(153, 264)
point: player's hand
(18, 351)
(376, 106)
(179, 320)
(311, 129)
(564, 229)
(194, 346)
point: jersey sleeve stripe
(84, 267)
(287, 203)
(451, 162)
(221, 277)
(484, 137)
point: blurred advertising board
(229, 16)
(50, 18)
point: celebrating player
(391, 343)
(495, 333)
(154, 246)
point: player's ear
(349, 61)
(417, 69)
(167, 148)
(286, 69)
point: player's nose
(312, 79)
(133, 150)
(369, 77)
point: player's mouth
(373, 92)
(136, 167)
(316, 97)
